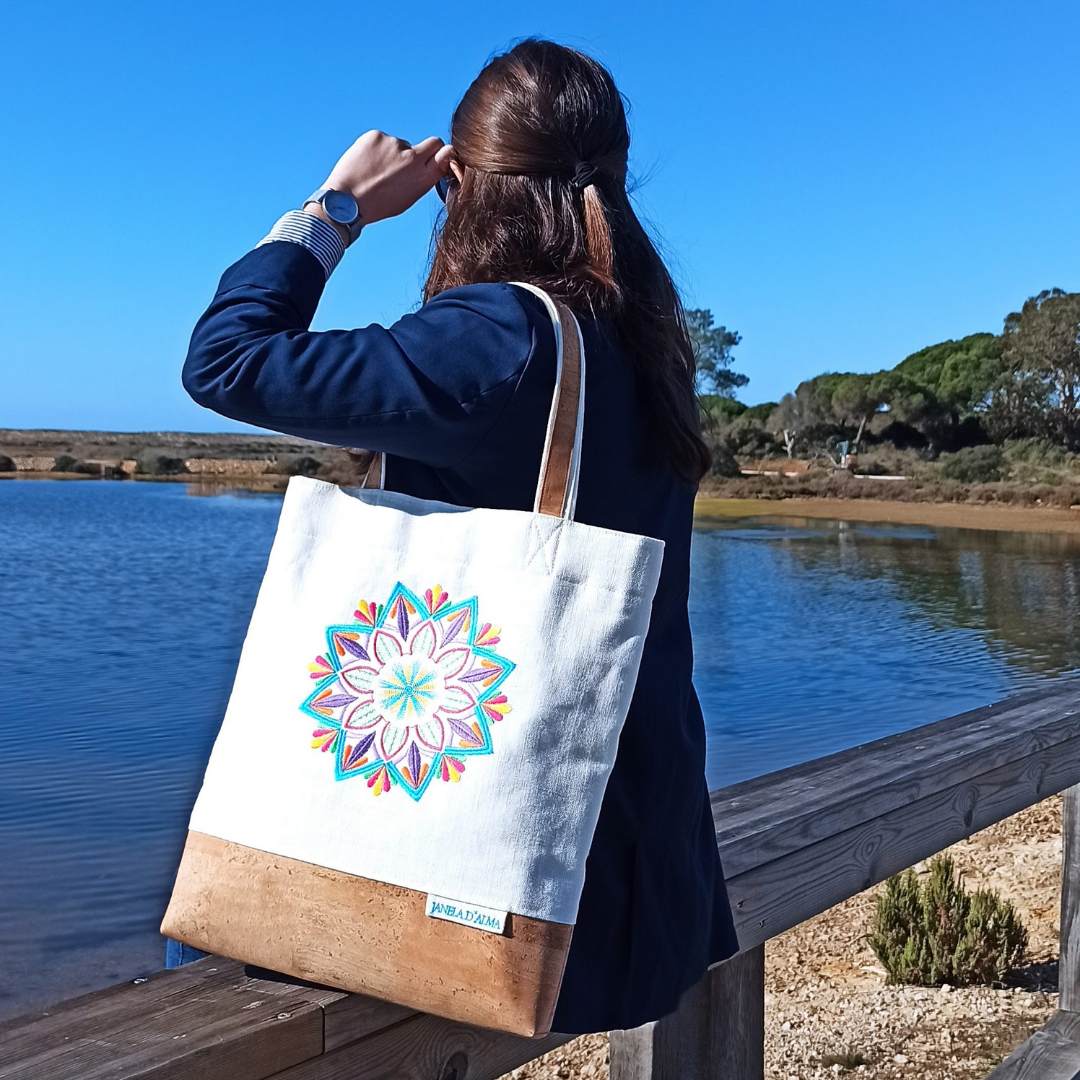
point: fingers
(443, 156)
(427, 148)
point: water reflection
(812, 636)
(1019, 590)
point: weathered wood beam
(774, 815)
(425, 1048)
(1069, 934)
(778, 895)
(717, 1033)
(206, 1019)
(1052, 1053)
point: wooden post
(1069, 940)
(717, 1033)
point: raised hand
(387, 175)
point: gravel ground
(829, 1012)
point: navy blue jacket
(457, 394)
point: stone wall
(226, 466)
(34, 464)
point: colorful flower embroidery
(408, 690)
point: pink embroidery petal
(422, 642)
(452, 662)
(387, 646)
(456, 699)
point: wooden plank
(738, 1017)
(717, 1033)
(364, 935)
(1069, 935)
(1052, 1053)
(354, 1016)
(427, 1048)
(214, 1021)
(346, 1017)
(772, 898)
(776, 814)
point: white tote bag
(427, 707)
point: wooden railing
(794, 843)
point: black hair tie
(584, 175)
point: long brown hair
(542, 140)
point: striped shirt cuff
(319, 237)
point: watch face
(340, 207)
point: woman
(457, 396)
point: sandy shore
(826, 995)
(952, 515)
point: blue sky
(842, 182)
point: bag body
(427, 707)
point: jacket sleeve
(429, 387)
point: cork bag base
(364, 936)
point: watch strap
(353, 226)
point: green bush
(723, 462)
(973, 465)
(935, 932)
(302, 466)
(1036, 452)
(155, 463)
(749, 439)
(66, 463)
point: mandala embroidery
(408, 690)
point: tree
(1042, 362)
(855, 398)
(944, 389)
(712, 353)
(958, 374)
(798, 416)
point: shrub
(973, 465)
(849, 1060)
(155, 463)
(749, 439)
(66, 463)
(723, 462)
(1035, 452)
(302, 466)
(935, 932)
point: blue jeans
(177, 954)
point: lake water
(123, 607)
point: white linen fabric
(432, 696)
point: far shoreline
(954, 515)
(996, 517)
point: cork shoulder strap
(560, 466)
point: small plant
(848, 1061)
(934, 932)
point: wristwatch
(339, 207)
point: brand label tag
(481, 918)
